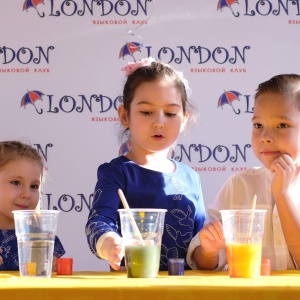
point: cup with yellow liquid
(243, 230)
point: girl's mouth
(20, 206)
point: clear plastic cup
(176, 266)
(243, 230)
(142, 256)
(35, 231)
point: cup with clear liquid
(35, 231)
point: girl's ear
(123, 116)
(184, 121)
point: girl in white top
(276, 143)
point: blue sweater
(9, 250)
(178, 192)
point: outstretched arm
(112, 250)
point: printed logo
(263, 8)
(102, 8)
(30, 97)
(65, 202)
(129, 49)
(200, 55)
(219, 153)
(104, 106)
(227, 3)
(33, 3)
(25, 60)
(227, 98)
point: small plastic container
(64, 266)
(176, 266)
(265, 267)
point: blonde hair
(11, 150)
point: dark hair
(156, 71)
(285, 84)
(11, 150)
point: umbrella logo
(227, 3)
(30, 97)
(33, 3)
(227, 98)
(129, 49)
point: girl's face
(276, 128)
(156, 117)
(20, 182)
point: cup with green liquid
(142, 230)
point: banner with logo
(61, 83)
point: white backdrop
(70, 52)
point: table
(198, 285)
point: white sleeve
(220, 202)
(101, 240)
(195, 242)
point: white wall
(72, 53)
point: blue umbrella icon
(129, 49)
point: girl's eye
(283, 125)
(16, 182)
(257, 125)
(146, 113)
(34, 186)
(170, 114)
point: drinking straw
(131, 219)
(253, 204)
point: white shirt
(237, 193)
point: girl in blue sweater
(155, 110)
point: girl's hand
(284, 169)
(113, 249)
(212, 238)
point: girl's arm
(207, 251)
(286, 175)
(103, 216)
(206, 256)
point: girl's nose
(266, 138)
(157, 125)
(158, 122)
(25, 193)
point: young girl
(21, 174)
(276, 143)
(155, 110)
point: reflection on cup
(243, 246)
(35, 231)
(142, 259)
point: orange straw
(131, 219)
(253, 204)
